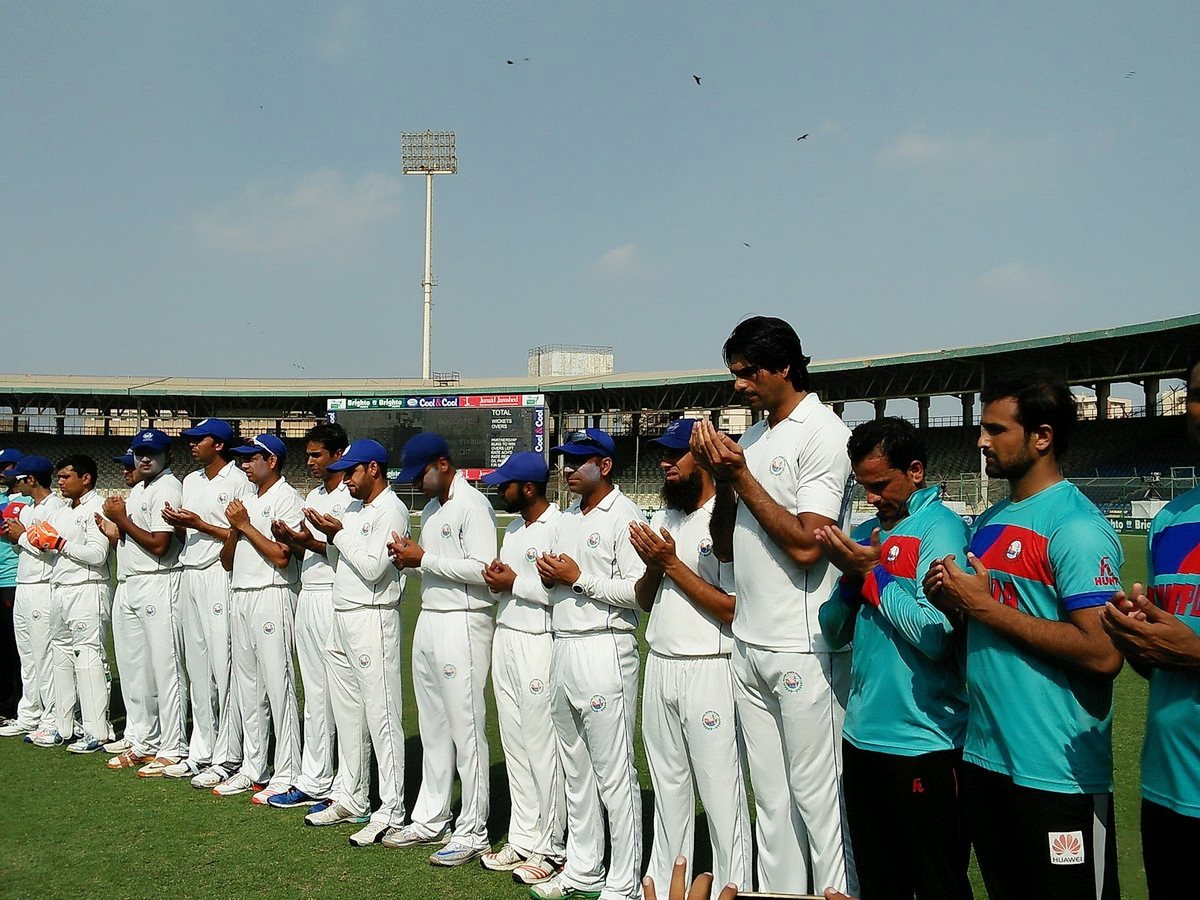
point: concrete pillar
(923, 412)
(714, 416)
(1151, 387)
(1102, 393)
(839, 409)
(596, 421)
(636, 424)
(880, 407)
(968, 407)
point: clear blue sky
(210, 189)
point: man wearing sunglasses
(592, 571)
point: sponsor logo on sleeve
(1107, 577)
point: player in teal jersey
(1038, 753)
(907, 710)
(1159, 632)
(10, 663)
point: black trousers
(1168, 842)
(905, 818)
(1040, 844)
(10, 661)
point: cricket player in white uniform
(790, 474)
(688, 720)
(151, 602)
(215, 748)
(452, 648)
(323, 444)
(363, 653)
(593, 569)
(265, 574)
(31, 608)
(521, 652)
(80, 605)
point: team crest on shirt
(792, 681)
(80, 520)
(593, 540)
(364, 660)
(1014, 550)
(449, 671)
(711, 720)
(337, 511)
(366, 529)
(531, 554)
(778, 464)
(599, 704)
(893, 552)
(1066, 848)
(150, 610)
(446, 530)
(146, 508)
(223, 497)
(266, 512)
(706, 547)
(537, 686)
(268, 628)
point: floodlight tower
(428, 153)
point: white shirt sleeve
(477, 540)
(620, 590)
(822, 473)
(368, 554)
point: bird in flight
(1130, 74)
(744, 244)
(697, 77)
(802, 137)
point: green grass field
(70, 827)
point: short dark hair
(771, 344)
(895, 438)
(1193, 361)
(1041, 398)
(329, 435)
(83, 465)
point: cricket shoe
(505, 859)
(236, 784)
(156, 767)
(86, 744)
(320, 806)
(536, 870)
(263, 797)
(185, 768)
(45, 737)
(116, 747)
(13, 728)
(412, 836)
(209, 778)
(291, 798)
(371, 833)
(454, 854)
(129, 759)
(555, 889)
(334, 814)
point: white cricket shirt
(459, 540)
(316, 570)
(250, 568)
(677, 626)
(208, 498)
(145, 506)
(33, 565)
(527, 606)
(363, 573)
(609, 567)
(84, 556)
(802, 464)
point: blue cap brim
(496, 478)
(345, 463)
(669, 443)
(251, 449)
(580, 450)
(408, 475)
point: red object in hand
(13, 510)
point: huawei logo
(1066, 843)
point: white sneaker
(14, 728)
(554, 889)
(261, 797)
(505, 859)
(45, 737)
(536, 870)
(455, 853)
(412, 836)
(335, 814)
(185, 768)
(369, 834)
(117, 747)
(235, 784)
(209, 778)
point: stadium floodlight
(428, 153)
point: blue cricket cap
(523, 466)
(678, 435)
(420, 450)
(31, 465)
(588, 442)
(267, 444)
(11, 455)
(126, 460)
(359, 453)
(151, 439)
(218, 429)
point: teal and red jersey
(8, 552)
(907, 695)
(1171, 752)
(1046, 726)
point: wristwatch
(577, 587)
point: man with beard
(521, 652)
(688, 721)
(592, 570)
(324, 445)
(215, 748)
(150, 551)
(452, 647)
(1037, 761)
(363, 653)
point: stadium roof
(1129, 353)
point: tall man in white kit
(592, 570)
(363, 652)
(688, 720)
(790, 474)
(323, 445)
(521, 653)
(265, 575)
(215, 749)
(452, 648)
(151, 603)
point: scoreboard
(483, 430)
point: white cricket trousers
(450, 658)
(363, 666)
(152, 667)
(263, 641)
(208, 652)
(79, 614)
(690, 730)
(31, 624)
(521, 682)
(314, 621)
(137, 715)
(593, 684)
(791, 707)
